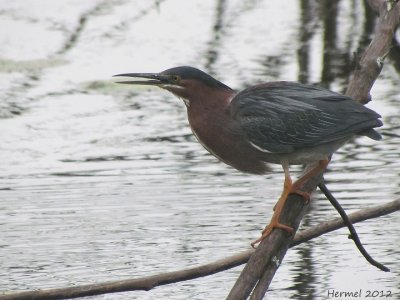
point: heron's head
(188, 83)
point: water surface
(104, 182)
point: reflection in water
(369, 25)
(214, 44)
(395, 54)
(97, 178)
(306, 33)
(330, 13)
(304, 278)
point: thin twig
(353, 234)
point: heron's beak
(155, 79)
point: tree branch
(263, 264)
(353, 234)
(150, 282)
(371, 62)
(261, 268)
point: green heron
(276, 122)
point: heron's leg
(290, 188)
(274, 223)
(320, 167)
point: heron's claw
(271, 226)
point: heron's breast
(220, 137)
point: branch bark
(371, 61)
(263, 264)
(150, 282)
(261, 267)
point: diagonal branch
(371, 61)
(261, 268)
(150, 282)
(263, 264)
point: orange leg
(319, 168)
(289, 188)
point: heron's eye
(176, 78)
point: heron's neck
(204, 101)
(209, 116)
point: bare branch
(273, 246)
(371, 62)
(150, 282)
(353, 233)
(260, 269)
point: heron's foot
(306, 196)
(271, 226)
(288, 188)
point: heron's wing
(280, 117)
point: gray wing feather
(281, 117)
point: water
(103, 182)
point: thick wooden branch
(261, 267)
(149, 282)
(371, 61)
(271, 251)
